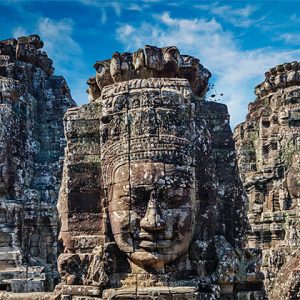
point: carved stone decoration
(151, 204)
(148, 63)
(32, 104)
(267, 145)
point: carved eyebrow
(125, 195)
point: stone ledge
(27, 296)
(163, 292)
(78, 290)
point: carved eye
(140, 198)
(177, 198)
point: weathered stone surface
(151, 204)
(27, 296)
(267, 146)
(150, 62)
(32, 104)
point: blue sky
(236, 40)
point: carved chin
(150, 260)
(155, 255)
(155, 260)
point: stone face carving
(267, 146)
(32, 105)
(147, 210)
(152, 223)
(148, 171)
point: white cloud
(135, 7)
(124, 31)
(291, 38)
(235, 71)
(183, 31)
(116, 6)
(93, 3)
(152, 1)
(19, 31)
(192, 24)
(119, 6)
(102, 8)
(59, 44)
(103, 18)
(58, 36)
(65, 52)
(295, 18)
(240, 17)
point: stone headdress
(146, 120)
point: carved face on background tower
(151, 211)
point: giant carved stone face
(151, 211)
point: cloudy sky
(236, 40)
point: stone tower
(32, 104)
(268, 144)
(151, 204)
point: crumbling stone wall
(32, 104)
(267, 145)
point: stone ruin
(151, 204)
(32, 104)
(268, 145)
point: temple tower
(267, 145)
(32, 104)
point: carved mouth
(155, 245)
(148, 245)
(151, 242)
(146, 236)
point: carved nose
(152, 220)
